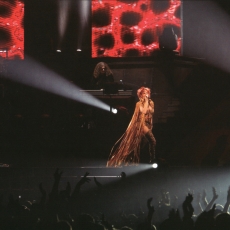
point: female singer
(126, 150)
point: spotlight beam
(211, 38)
(83, 8)
(31, 73)
(63, 8)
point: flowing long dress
(126, 150)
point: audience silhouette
(61, 210)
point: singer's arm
(145, 105)
(151, 106)
(148, 105)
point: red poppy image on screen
(12, 29)
(124, 28)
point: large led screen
(124, 28)
(12, 29)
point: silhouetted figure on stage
(102, 75)
(126, 150)
(168, 40)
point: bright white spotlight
(59, 51)
(114, 110)
(78, 50)
(155, 165)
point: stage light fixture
(155, 164)
(58, 51)
(114, 110)
(78, 50)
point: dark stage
(62, 134)
(52, 133)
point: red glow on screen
(12, 29)
(123, 28)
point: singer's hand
(146, 102)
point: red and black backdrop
(123, 28)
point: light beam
(83, 8)
(31, 73)
(63, 12)
(207, 33)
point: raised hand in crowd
(81, 182)
(147, 225)
(188, 211)
(226, 206)
(197, 206)
(204, 199)
(214, 197)
(54, 192)
(192, 192)
(187, 206)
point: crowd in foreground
(62, 210)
